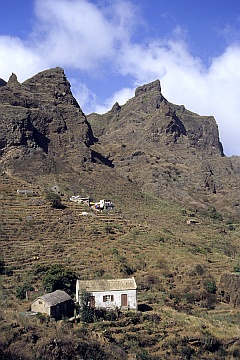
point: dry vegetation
(176, 267)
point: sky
(109, 47)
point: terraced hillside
(33, 232)
(172, 252)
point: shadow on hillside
(144, 307)
(99, 158)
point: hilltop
(175, 225)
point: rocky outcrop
(153, 86)
(229, 289)
(42, 116)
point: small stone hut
(56, 304)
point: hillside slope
(175, 225)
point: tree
(21, 291)
(56, 277)
(87, 314)
(55, 200)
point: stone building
(57, 304)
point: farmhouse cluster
(100, 205)
(107, 294)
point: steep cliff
(42, 123)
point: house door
(124, 300)
(92, 302)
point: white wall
(131, 299)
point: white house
(109, 293)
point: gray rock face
(229, 289)
(41, 115)
(153, 86)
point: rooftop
(107, 284)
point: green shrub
(211, 343)
(237, 266)
(186, 352)
(87, 314)
(126, 270)
(109, 229)
(199, 269)
(57, 277)
(210, 286)
(55, 200)
(21, 291)
(213, 214)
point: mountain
(41, 122)
(168, 150)
(175, 225)
(158, 146)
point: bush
(126, 270)
(211, 343)
(213, 214)
(55, 200)
(21, 291)
(210, 286)
(57, 277)
(199, 269)
(237, 266)
(87, 314)
(2, 266)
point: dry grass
(145, 235)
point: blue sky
(109, 47)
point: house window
(108, 298)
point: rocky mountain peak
(150, 87)
(51, 86)
(12, 79)
(116, 108)
(41, 116)
(164, 147)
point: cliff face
(151, 121)
(40, 118)
(158, 146)
(167, 149)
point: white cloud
(74, 32)
(18, 58)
